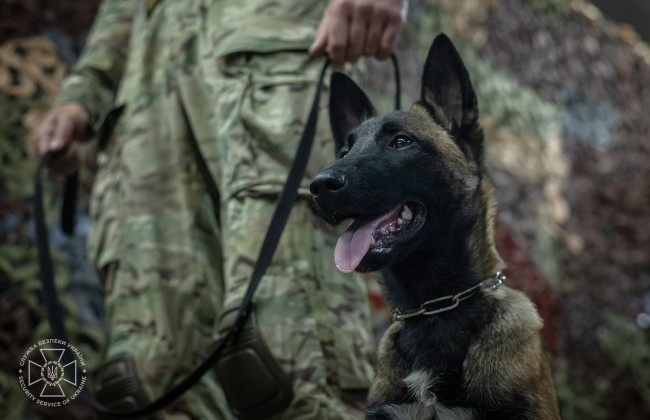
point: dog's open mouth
(375, 233)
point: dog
(415, 184)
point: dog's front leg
(388, 386)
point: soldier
(227, 83)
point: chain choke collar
(447, 303)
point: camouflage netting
(599, 76)
(31, 69)
(563, 95)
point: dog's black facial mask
(400, 175)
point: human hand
(350, 29)
(61, 131)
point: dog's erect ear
(446, 88)
(349, 107)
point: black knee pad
(254, 383)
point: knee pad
(254, 383)
(119, 387)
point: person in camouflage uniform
(233, 81)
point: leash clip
(497, 281)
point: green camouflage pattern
(167, 264)
(98, 71)
(225, 26)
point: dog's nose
(327, 182)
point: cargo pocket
(275, 114)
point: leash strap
(280, 216)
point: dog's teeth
(407, 214)
(391, 228)
(399, 221)
(372, 241)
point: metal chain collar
(433, 307)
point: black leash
(276, 227)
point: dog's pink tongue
(353, 245)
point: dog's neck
(461, 256)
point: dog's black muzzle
(327, 184)
(327, 187)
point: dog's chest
(434, 350)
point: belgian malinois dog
(422, 205)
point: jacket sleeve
(95, 77)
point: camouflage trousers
(169, 265)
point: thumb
(62, 134)
(320, 41)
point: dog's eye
(400, 142)
(342, 154)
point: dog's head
(401, 176)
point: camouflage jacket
(239, 25)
